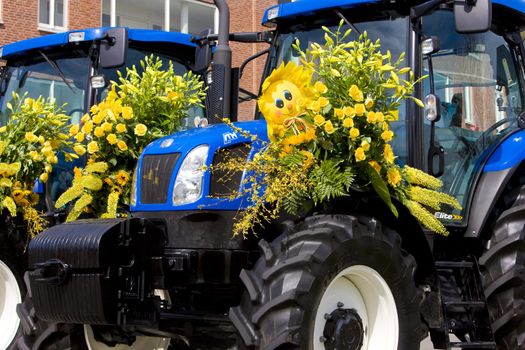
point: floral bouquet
(137, 110)
(329, 130)
(29, 145)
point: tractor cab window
(393, 35)
(133, 58)
(63, 77)
(476, 78)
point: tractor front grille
(155, 177)
(225, 183)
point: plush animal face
(281, 101)
(284, 93)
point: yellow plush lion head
(285, 93)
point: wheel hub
(343, 330)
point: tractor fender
(414, 240)
(496, 174)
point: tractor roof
(137, 35)
(311, 7)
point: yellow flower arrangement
(345, 94)
(35, 132)
(150, 103)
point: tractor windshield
(477, 78)
(393, 36)
(63, 75)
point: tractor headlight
(188, 184)
(134, 187)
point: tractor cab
(75, 70)
(475, 73)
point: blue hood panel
(217, 137)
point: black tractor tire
(503, 273)
(42, 335)
(285, 287)
(12, 267)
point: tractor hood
(161, 161)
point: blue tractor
(347, 275)
(73, 68)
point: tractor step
(474, 345)
(465, 310)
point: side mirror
(114, 48)
(472, 16)
(203, 53)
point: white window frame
(167, 14)
(1, 11)
(51, 27)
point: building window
(187, 16)
(52, 15)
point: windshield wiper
(57, 70)
(347, 21)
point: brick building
(22, 19)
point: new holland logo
(228, 137)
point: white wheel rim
(141, 342)
(10, 297)
(363, 289)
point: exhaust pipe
(220, 90)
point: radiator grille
(155, 177)
(223, 184)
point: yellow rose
(122, 145)
(360, 109)
(92, 147)
(323, 101)
(387, 135)
(112, 139)
(393, 176)
(319, 120)
(140, 129)
(355, 93)
(354, 133)
(348, 122)
(48, 168)
(315, 106)
(98, 118)
(31, 137)
(380, 117)
(87, 127)
(320, 87)
(41, 139)
(80, 137)
(121, 128)
(74, 129)
(371, 117)
(349, 111)
(107, 126)
(79, 149)
(359, 154)
(328, 127)
(3, 128)
(127, 112)
(35, 156)
(388, 155)
(338, 113)
(44, 177)
(99, 131)
(365, 145)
